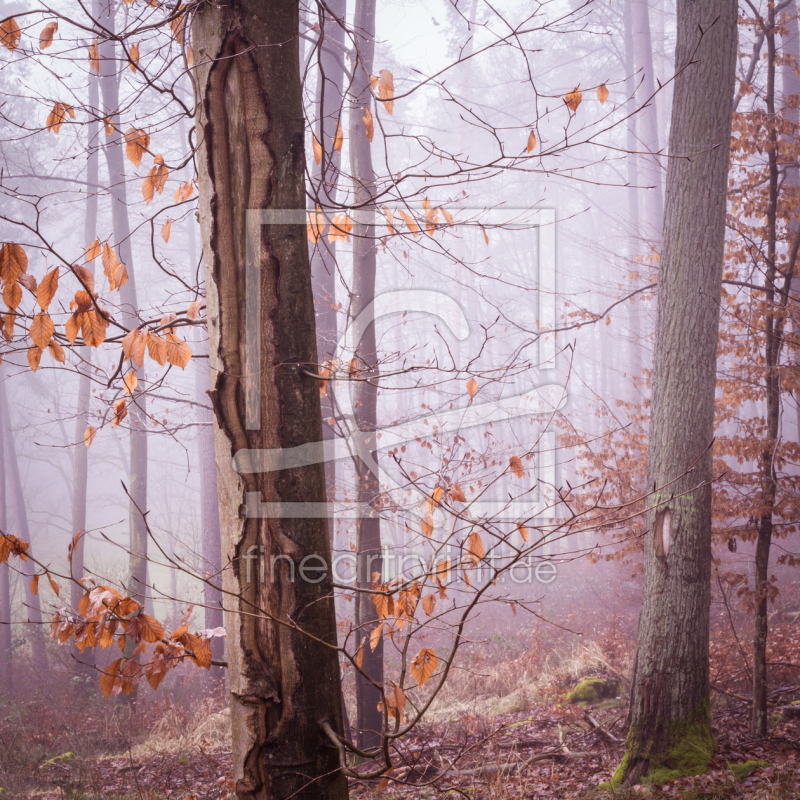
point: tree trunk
(632, 165)
(212, 554)
(110, 69)
(26, 568)
(324, 189)
(773, 329)
(6, 666)
(370, 679)
(647, 122)
(283, 668)
(84, 661)
(670, 731)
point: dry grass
(490, 689)
(207, 731)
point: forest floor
(502, 728)
(546, 752)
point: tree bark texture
(281, 629)
(670, 729)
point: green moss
(592, 690)
(689, 755)
(746, 768)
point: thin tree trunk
(647, 123)
(324, 188)
(110, 68)
(6, 676)
(632, 165)
(84, 660)
(670, 732)
(212, 553)
(283, 669)
(33, 607)
(791, 87)
(368, 541)
(772, 347)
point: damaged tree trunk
(670, 732)
(283, 664)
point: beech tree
(670, 731)
(283, 668)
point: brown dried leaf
(86, 276)
(375, 637)
(360, 654)
(369, 124)
(120, 412)
(423, 665)
(515, 465)
(156, 348)
(57, 351)
(55, 119)
(472, 388)
(46, 36)
(136, 144)
(10, 34)
(134, 57)
(42, 330)
(88, 438)
(193, 312)
(573, 99)
(130, 382)
(93, 328)
(475, 549)
(317, 148)
(47, 289)
(73, 327)
(29, 282)
(109, 677)
(602, 93)
(531, 141)
(179, 353)
(165, 229)
(12, 295)
(386, 89)
(315, 225)
(94, 58)
(34, 357)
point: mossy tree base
(685, 749)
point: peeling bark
(282, 663)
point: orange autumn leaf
(369, 124)
(10, 34)
(94, 58)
